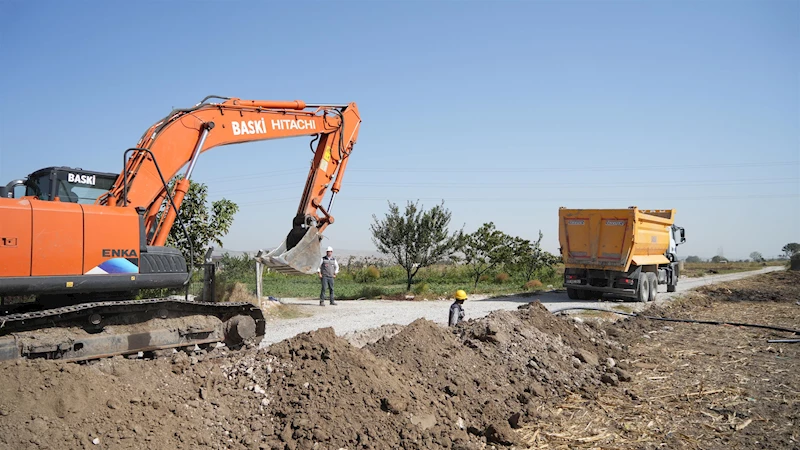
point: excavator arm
(84, 262)
(177, 141)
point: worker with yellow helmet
(456, 310)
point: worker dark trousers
(327, 283)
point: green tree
(718, 259)
(239, 268)
(205, 226)
(529, 258)
(693, 259)
(415, 238)
(756, 257)
(791, 249)
(487, 248)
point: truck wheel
(671, 288)
(643, 293)
(653, 286)
(583, 295)
(572, 294)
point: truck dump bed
(614, 239)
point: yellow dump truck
(622, 252)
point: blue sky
(505, 110)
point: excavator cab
(64, 184)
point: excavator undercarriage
(102, 329)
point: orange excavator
(82, 243)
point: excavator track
(103, 329)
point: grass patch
(623, 308)
(285, 312)
(385, 282)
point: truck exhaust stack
(302, 259)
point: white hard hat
(329, 249)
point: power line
(255, 175)
(539, 185)
(533, 200)
(444, 170)
(619, 167)
(483, 184)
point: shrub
(484, 277)
(501, 277)
(421, 288)
(533, 284)
(235, 292)
(372, 273)
(549, 275)
(371, 292)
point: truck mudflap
(103, 329)
(302, 259)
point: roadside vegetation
(371, 278)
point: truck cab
(65, 184)
(676, 238)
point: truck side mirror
(683, 236)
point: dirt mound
(780, 286)
(363, 337)
(115, 403)
(498, 371)
(426, 387)
(317, 388)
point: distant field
(389, 283)
(431, 283)
(694, 270)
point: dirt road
(355, 316)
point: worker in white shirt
(327, 272)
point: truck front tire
(671, 288)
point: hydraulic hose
(171, 203)
(670, 319)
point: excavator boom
(178, 140)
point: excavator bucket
(304, 258)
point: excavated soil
(497, 372)
(521, 379)
(426, 387)
(781, 286)
(696, 386)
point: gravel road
(354, 316)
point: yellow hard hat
(461, 295)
